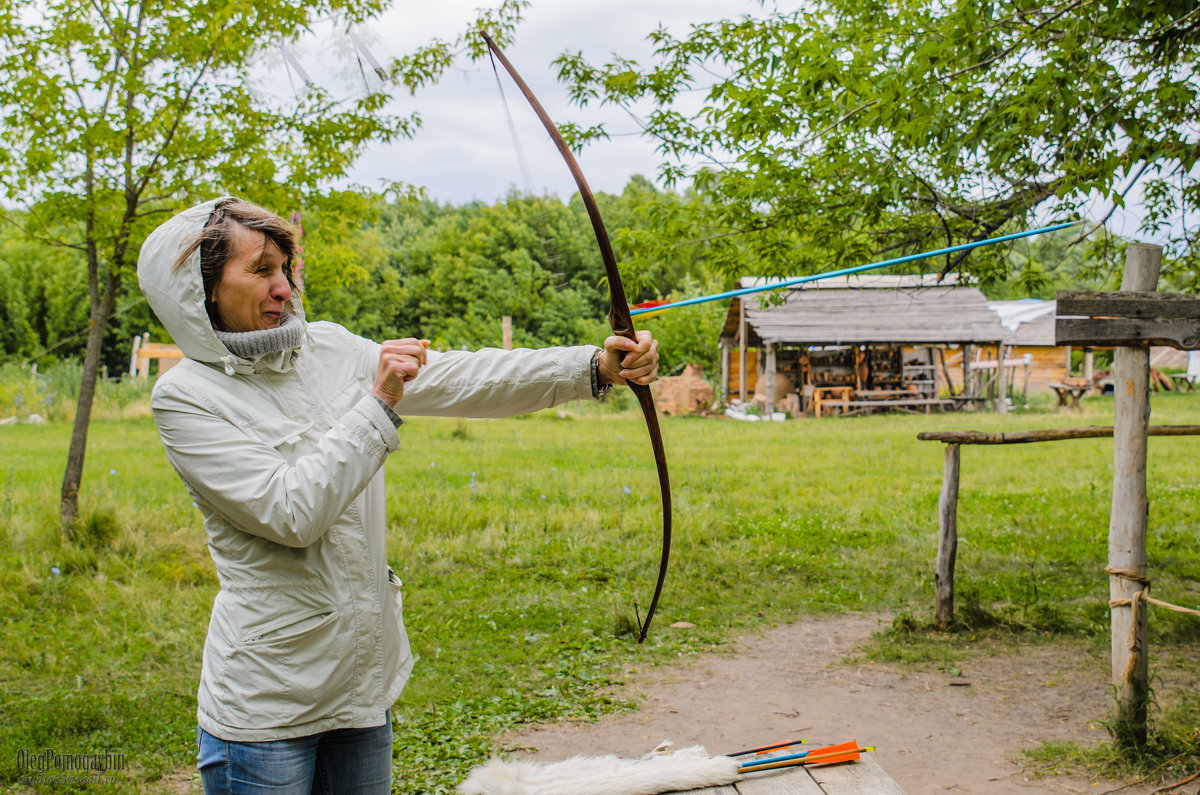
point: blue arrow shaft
(857, 269)
(773, 759)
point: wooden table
(1069, 395)
(863, 777)
(823, 393)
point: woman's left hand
(626, 361)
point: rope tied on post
(1134, 603)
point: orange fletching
(842, 752)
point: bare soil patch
(935, 733)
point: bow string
(618, 317)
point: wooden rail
(1047, 434)
(948, 498)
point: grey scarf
(254, 345)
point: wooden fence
(948, 498)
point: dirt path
(933, 736)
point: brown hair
(216, 245)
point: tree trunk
(73, 475)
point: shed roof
(914, 315)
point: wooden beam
(1144, 305)
(1047, 434)
(1129, 318)
(1182, 333)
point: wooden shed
(881, 339)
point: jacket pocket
(287, 672)
(291, 627)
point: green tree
(452, 273)
(119, 112)
(828, 135)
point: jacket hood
(177, 297)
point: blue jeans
(343, 761)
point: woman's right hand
(399, 363)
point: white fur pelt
(657, 771)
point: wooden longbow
(618, 317)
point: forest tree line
(405, 266)
(388, 267)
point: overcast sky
(465, 150)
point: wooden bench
(862, 777)
(886, 394)
(972, 403)
(1184, 381)
(849, 407)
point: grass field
(525, 545)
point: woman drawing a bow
(280, 428)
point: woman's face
(253, 290)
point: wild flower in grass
(627, 490)
(55, 570)
(112, 471)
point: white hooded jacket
(284, 457)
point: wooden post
(742, 350)
(937, 388)
(143, 366)
(941, 352)
(947, 539)
(1001, 379)
(725, 373)
(968, 351)
(1130, 512)
(1025, 383)
(133, 356)
(770, 374)
(1089, 365)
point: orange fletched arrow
(843, 752)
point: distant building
(891, 340)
